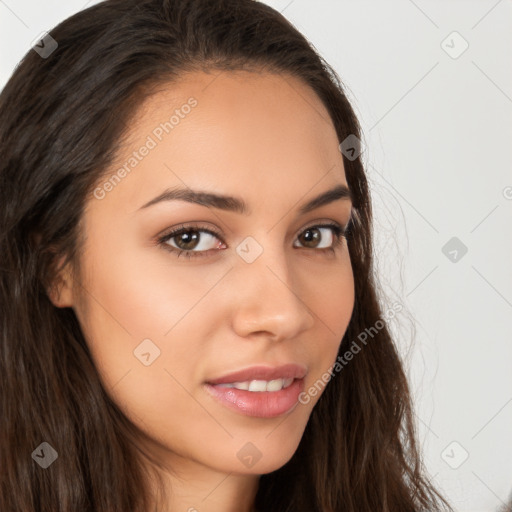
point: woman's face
(261, 291)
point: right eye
(191, 241)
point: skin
(267, 139)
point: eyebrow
(238, 205)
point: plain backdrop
(431, 82)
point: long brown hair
(62, 117)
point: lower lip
(262, 404)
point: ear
(60, 291)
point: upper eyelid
(343, 228)
(193, 226)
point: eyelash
(339, 233)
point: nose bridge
(268, 298)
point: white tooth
(242, 385)
(275, 385)
(258, 385)
(287, 382)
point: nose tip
(269, 303)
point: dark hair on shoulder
(61, 121)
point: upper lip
(285, 371)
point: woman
(190, 320)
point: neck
(192, 487)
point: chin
(262, 455)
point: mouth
(262, 373)
(259, 391)
(260, 386)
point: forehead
(241, 91)
(240, 132)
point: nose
(268, 300)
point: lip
(286, 371)
(261, 404)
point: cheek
(180, 309)
(144, 328)
(142, 297)
(138, 306)
(331, 299)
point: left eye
(313, 234)
(193, 241)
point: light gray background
(437, 135)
